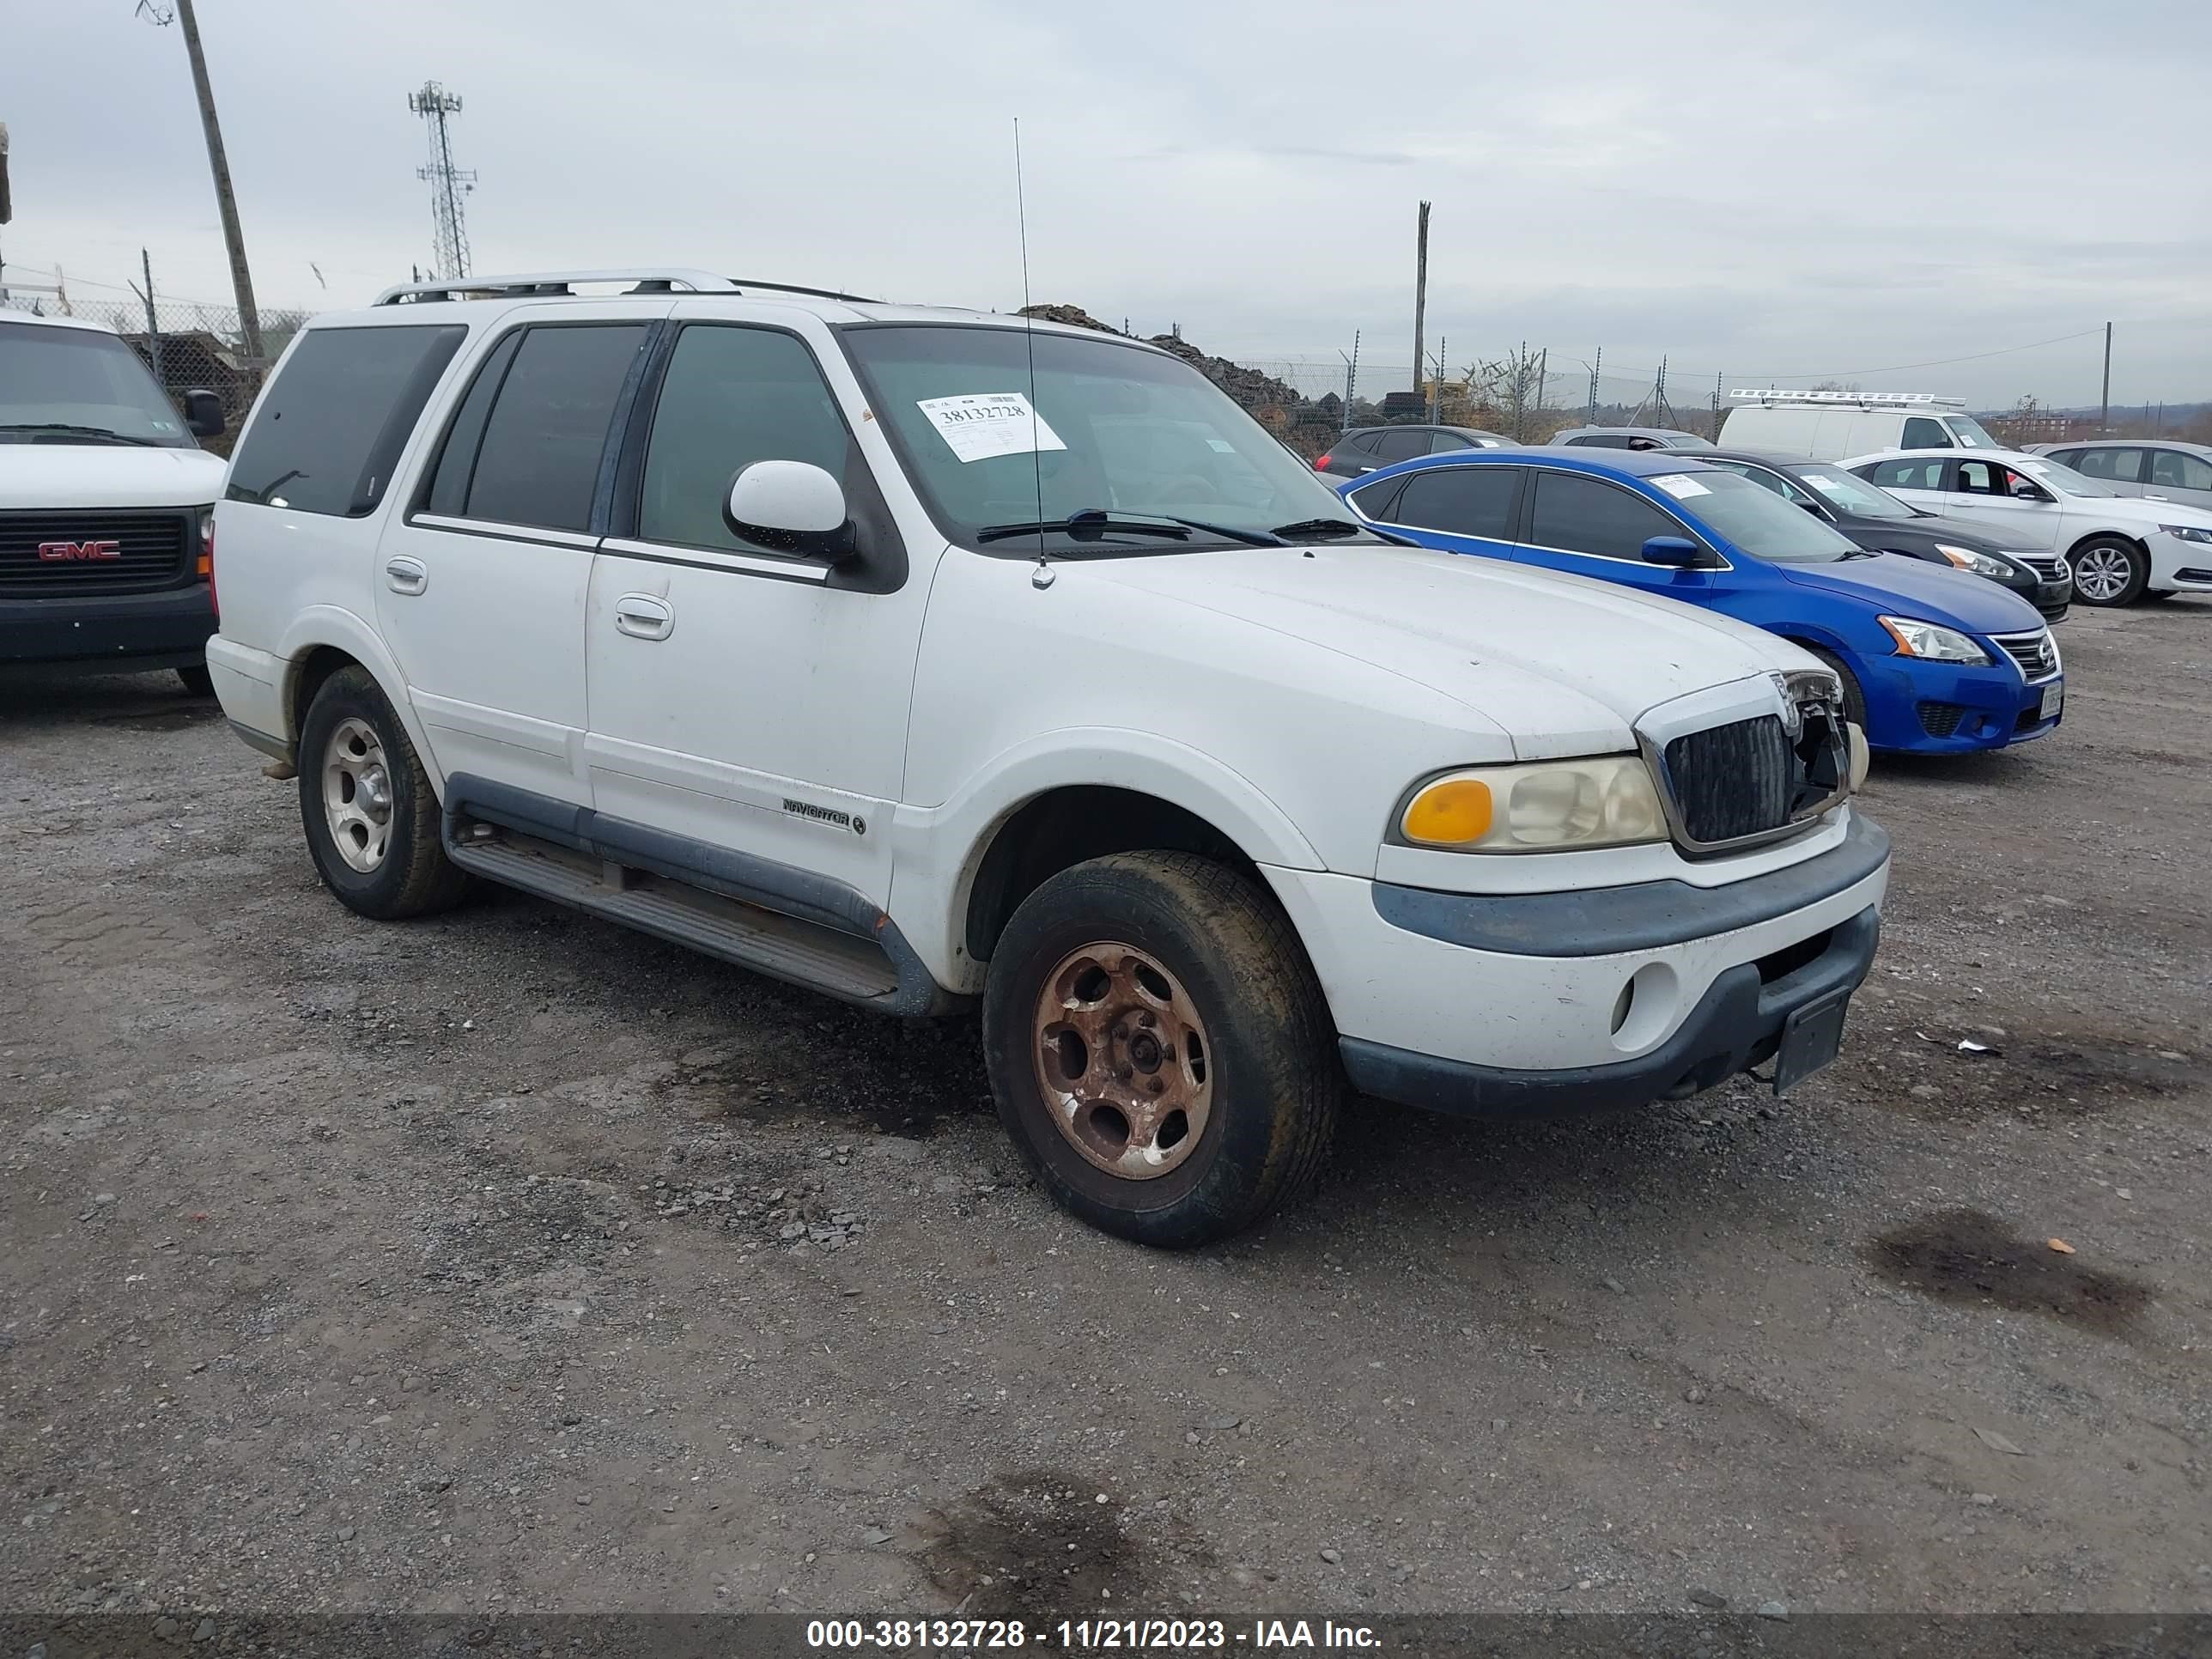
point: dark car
(1363, 448)
(1880, 523)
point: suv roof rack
(1857, 399)
(561, 284)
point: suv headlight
(2187, 532)
(1549, 806)
(1980, 563)
(1926, 640)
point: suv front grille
(1752, 780)
(2035, 653)
(1732, 780)
(98, 551)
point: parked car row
(938, 660)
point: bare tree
(1510, 389)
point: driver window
(732, 396)
(1921, 433)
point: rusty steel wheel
(1121, 1057)
(1158, 1047)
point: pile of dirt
(1250, 386)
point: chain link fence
(189, 346)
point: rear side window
(731, 397)
(1461, 500)
(2122, 465)
(1585, 515)
(1365, 442)
(1403, 444)
(1906, 475)
(1921, 433)
(537, 462)
(332, 423)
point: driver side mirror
(1678, 551)
(792, 506)
(203, 413)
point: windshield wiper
(78, 431)
(1318, 529)
(1093, 523)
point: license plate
(1813, 1037)
(2054, 696)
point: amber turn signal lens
(1451, 813)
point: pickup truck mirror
(203, 413)
(792, 506)
(1678, 551)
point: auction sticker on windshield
(979, 425)
(1681, 486)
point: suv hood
(62, 477)
(1896, 585)
(1564, 664)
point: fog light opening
(1622, 1004)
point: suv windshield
(2053, 475)
(1854, 495)
(1970, 433)
(1753, 518)
(80, 386)
(1120, 432)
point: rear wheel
(370, 814)
(198, 681)
(1159, 1048)
(2110, 571)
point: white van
(1827, 426)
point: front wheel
(1159, 1048)
(2110, 571)
(1853, 698)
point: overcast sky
(1753, 189)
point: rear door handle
(406, 576)
(644, 617)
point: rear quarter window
(331, 425)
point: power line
(1937, 362)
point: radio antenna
(1042, 577)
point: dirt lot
(513, 1262)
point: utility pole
(1421, 294)
(1437, 380)
(1351, 377)
(153, 328)
(1594, 369)
(2105, 400)
(241, 278)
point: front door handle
(644, 617)
(406, 576)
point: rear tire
(198, 682)
(370, 814)
(2109, 571)
(1159, 1047)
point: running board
(805, 953)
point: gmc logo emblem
(71, 552)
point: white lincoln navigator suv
(930, 659)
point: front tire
(1159, 1048)
(2110, 571)
(370, 814)
(1853, 698)
(198, 682)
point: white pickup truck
(934, 660)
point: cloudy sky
(1757, 191)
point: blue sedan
(1933, 661)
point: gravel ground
(511, 1261)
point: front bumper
(1917, 707)
(119, 633)
(1603, 997)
